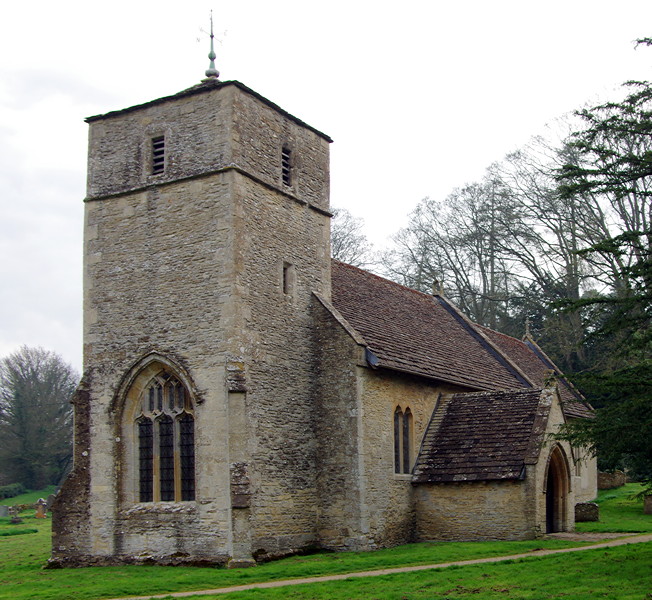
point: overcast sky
(419, 97)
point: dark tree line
(35, 417)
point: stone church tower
(206, 234)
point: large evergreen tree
(35, 416)
(614, 170)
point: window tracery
(166, 445)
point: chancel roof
(539, 368)
(417, 333)
(483, 436)
(422, 334)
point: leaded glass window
(407, 422)
(187, 454)
(398, 420)
(165, 429)
(166, 457)
(402, 440)
(146, 458)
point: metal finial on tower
(212, 72)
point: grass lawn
(627, 570)
(623, 573)
(619, 512)
(30, 497)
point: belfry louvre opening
(158, 155)
(286, 167)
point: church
(246, 397)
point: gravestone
(586, 511)
(13, 512)
(41, 509)
(4, 511)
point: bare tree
(455, 244)
(348, 242)
(35, 416)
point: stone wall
(608, 481)
(586, 475)
(474, 511)
(387, 499)
(157, 281)
(71, 510)
(259, 134)
(274, 336)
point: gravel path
(620, 541)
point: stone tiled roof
(483, 436)
(418, 333)
(425, 335)
(539, 368)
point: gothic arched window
(402, 440)
(165, 429)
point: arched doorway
(557, 488)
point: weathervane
(212, 72)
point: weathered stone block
(586, 511)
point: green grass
(30, 497)
(619, 512)
(15, 531)
(623, 573)
(23, 578)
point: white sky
(419, 97)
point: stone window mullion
(164, 435)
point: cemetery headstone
(41, 508)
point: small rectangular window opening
(288, 278)
(158, 155)
(286, 166)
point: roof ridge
(484, 340)
(559, 374)
(506, 335)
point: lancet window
(165, 429)
(403, 440)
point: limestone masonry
(244, 397)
